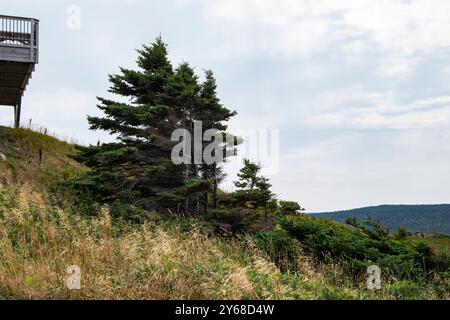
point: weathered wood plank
(13, 67)
(11, 83)
(8, 101)
(17, 54)
(9, 90)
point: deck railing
(18, 31)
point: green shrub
(69, 194)
(355, 249)
(239, 219)
(289, 207)
(129, 212)
(405, 290)
(282, 249)
(440, 261)
(402, 233)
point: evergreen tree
(182, 93)
(248, 176)
(214, 116)
(263, 194)
(290, 208)
(138, 168)
(253, 189)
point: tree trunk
(205, 198)
(215, 200)
(186, 205)
(197, 199)
(186, 171)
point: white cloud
(400, 26)
(354, 50)
(399, 67)
(402, 29)
(304, 153)
(268, 27)
(355, 94)
(383, 113)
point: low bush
(282, 249)
(356, 249)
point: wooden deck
(19, 53)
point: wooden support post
(17, 110)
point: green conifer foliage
(138, 168)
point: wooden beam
(17, 111)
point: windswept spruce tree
(254, 189)
(137, 169)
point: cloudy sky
(359, 89)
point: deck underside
(14, 77)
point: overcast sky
(360, 89)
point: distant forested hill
(427, 218)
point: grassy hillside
(172, 257)
(34, 158)
(423, 218)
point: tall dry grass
(38, 243)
